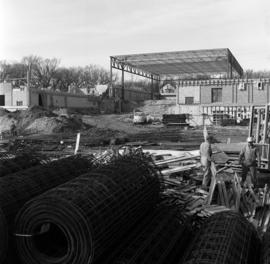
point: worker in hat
(13, 129)
(248, 159)
(206, 153)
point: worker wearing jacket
(248, 159)
(206, 153)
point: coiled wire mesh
(10, 163)
(88, 215)
(265, 253)
(225, 238)
(19, 187)
(3, 235)
(161, 237)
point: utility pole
(28, 79)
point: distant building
(16, 98)
(96, 90)
(209, 83)
(219, 98)
(168, 91)
(13, 97)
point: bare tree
(256, 74)
(47, 73)
(12, 70)
(42, 71)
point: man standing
(13, 131)
(206, 153)
(247, 159)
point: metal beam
(179, 62)
(235, 64)
(123, 86)
(265, 129)
(120, 65)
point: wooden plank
(226, 200)
(220, 192)
(175, 160)
(178, 169)
(212, 185)
(237, 189)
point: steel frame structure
(165, 65)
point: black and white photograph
(135, 132)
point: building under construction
(209, 84)
(89, 194)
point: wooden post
(28, 86)
(265, 124)
(258, 126)
(152, 88)
(77, 143)
(251, 121)
(213, 183)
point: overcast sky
(82, 32)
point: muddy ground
(44, 130)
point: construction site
(121, 179)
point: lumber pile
(175, 119)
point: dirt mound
(158, 107)
(3, 112)
(27, 117)
(39, 120)
(5, 122)
(101, 136)
(47, 125)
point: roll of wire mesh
(10, 163)
(225, 238)
(3, 235)
(83, 219)
(19, 187)
(265, 252)
(161, 237)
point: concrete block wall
(58, 101)
(79, 102)
(132, 95)
(189, 91)
(6, 90)
(231, 94)
(19, 95)
(62, 100)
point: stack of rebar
(224, 238)
(174, 119)
(82, 220)
(19, 187)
